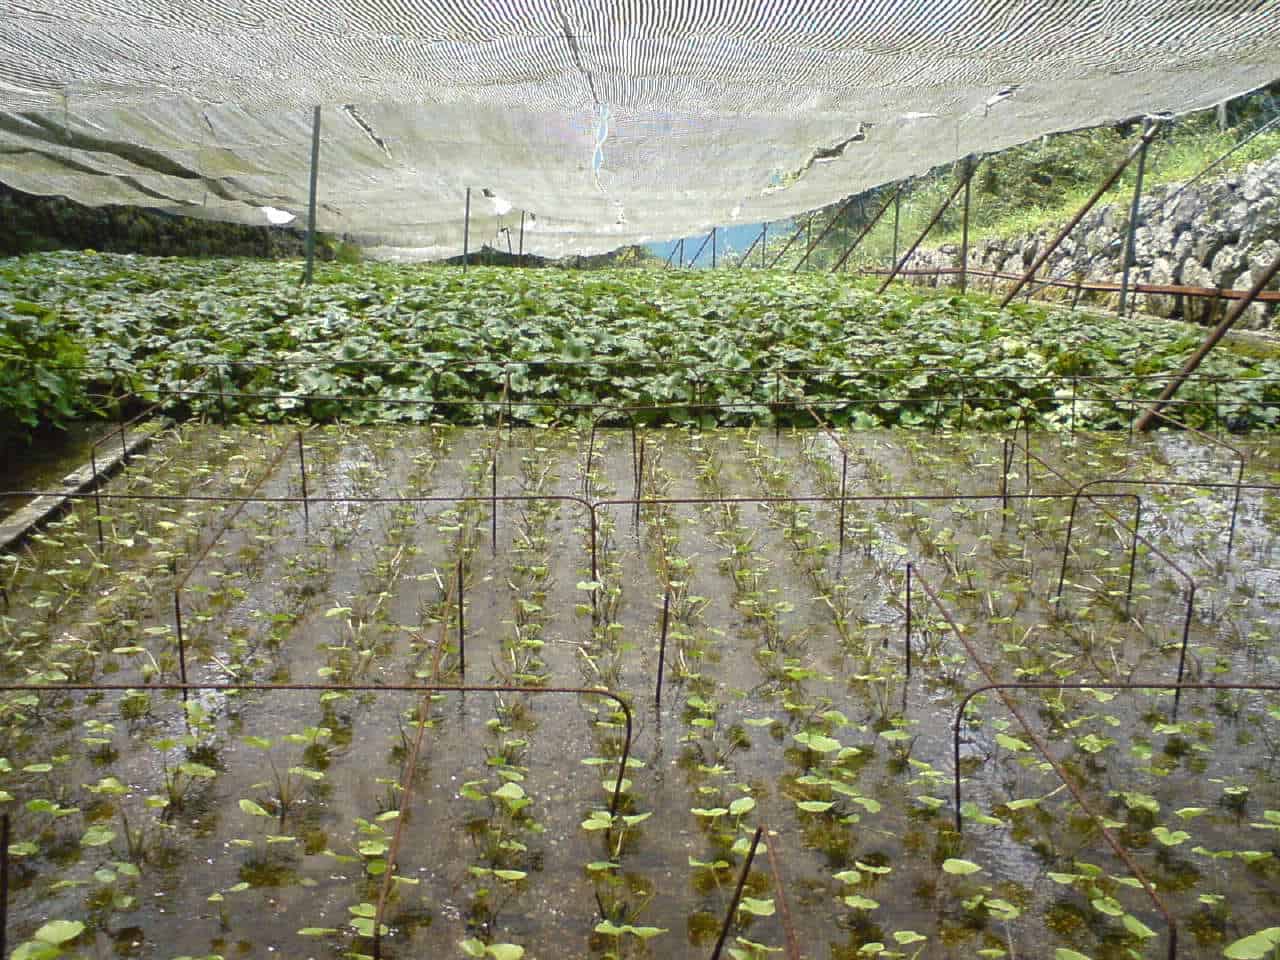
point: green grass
(1175, 161)
(1038, 186)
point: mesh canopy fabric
(608, 121)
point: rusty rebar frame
(1187, 578)
(737, 895)
(1212, 441)
(181, 581)
(98, 477)
(1035, 737)
(328, 687)
(592, 507)
(1061, 773)
(1133, 549)
(740, 406)
(1080, 286)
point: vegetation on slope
(1041, 184)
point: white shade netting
(607, 122)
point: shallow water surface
(260, 823)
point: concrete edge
(20, 524)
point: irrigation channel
(298, 798)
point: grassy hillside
(1041, 184)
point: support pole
(462, 622)
(1235, 313)
(311, 203)
(1129, 258)
(737, 895)
(682, 251)
(764, 242)
(783, 252)
(844, 257)
(964, 231)
(1080, 214)
(895, 224)
(4, 884)
(968, 175)
(702, 246)
(466, 229)
(523, 263)
(662, 644)
(746, 256)
(671, 256)
(813, 244)
(713, 248)
(910, 566)
(302, 472)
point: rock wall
(1217, 233)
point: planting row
(755, 625)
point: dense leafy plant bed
(638, 337)
(279, 824)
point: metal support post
(462, 621)
(713, 248)
(523, 263)
(1129, 258)
(783, 252)
(964, 231)
(302, 472)
(311, 204)
(844, 257)
(835, 218)
(702, 246)
(466, 229)
(662, 644)
(896, 211)
(964, 181)
(747, 256)
(1235, 313)
(1080, 214)
(764, 242)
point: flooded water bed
(255, 823)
